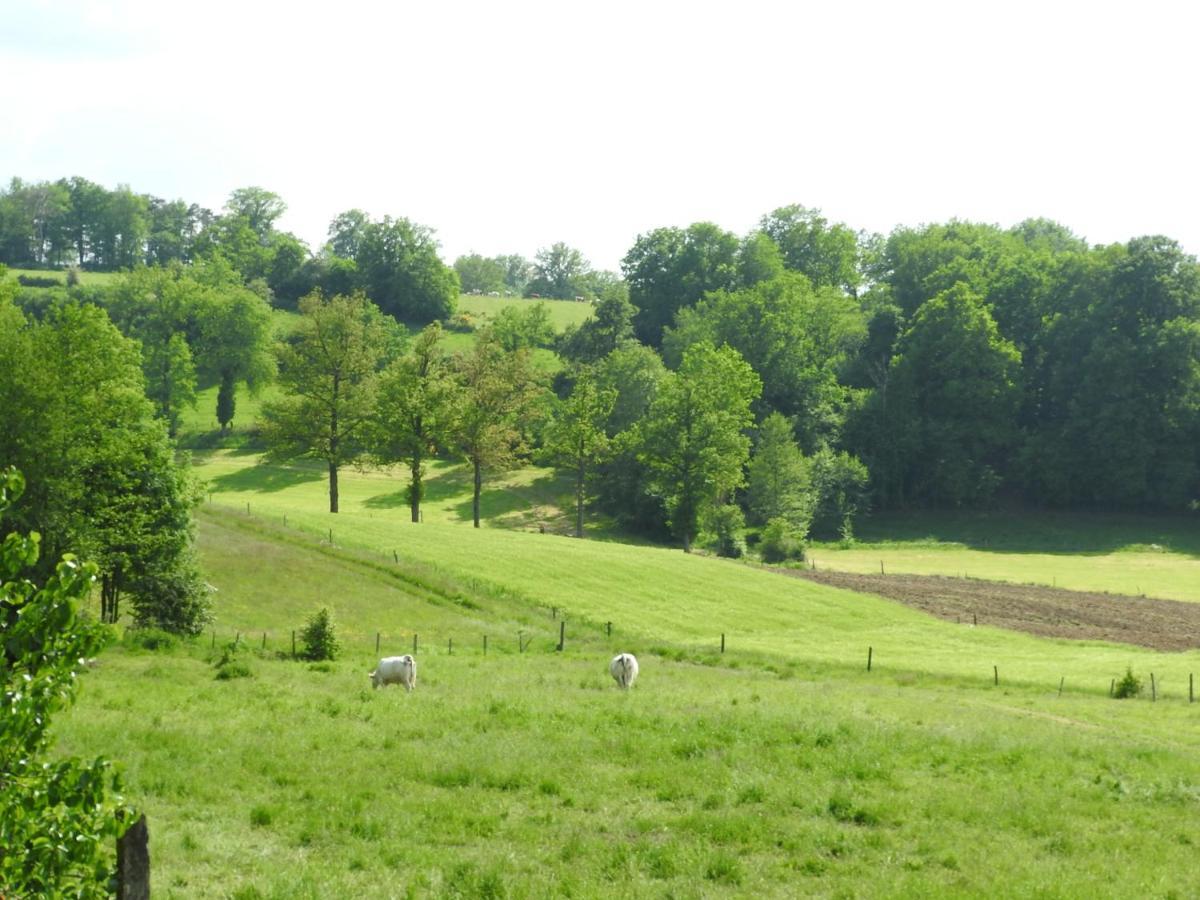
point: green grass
(777, 770)
(1157, 556)
(60, 275)
(562, 312)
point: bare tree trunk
(415, 487)
(478, 491)
(333, 487)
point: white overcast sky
(507, 126)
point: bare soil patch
(1045, 611)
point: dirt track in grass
(1045, 611)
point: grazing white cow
(624, 669)
(395, 670)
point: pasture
(562, 312)
(781, 768)
(60, 275)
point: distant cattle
(395, 670)
(624, 669)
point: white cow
(395, 670)
(624, 669)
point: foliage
(415, 410)
(558, 271)
(525, 328)
(840, 483)
(58, 816)
(669, 269)
(608, 329)
(495, 400)
(828, 255)
(779, 484)
(480, 275)
(692, 440)
(329, 371)
(1129, 685)
(319, 637)
(727, 524)
(103, 475)
(399, 269)
(780, 541)
(575, 438)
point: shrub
(1129, 686)
(728, 525)
(74, 276)
(320, 641)
(37, 281)
(780, 542)
(150, 639)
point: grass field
(61, 276)
(781, 768)
(562, 312)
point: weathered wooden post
(608, 627)
(996, 675)
(485, 645)
(414, 642)
(450, 648)
(562, 634)
(1191, 694)
(133, 862)
(293, 643)
(395, 557)
(264, 641)
(870, 652)
(722, 642)
(1153, 689)
(377, 643)
(1061, 682)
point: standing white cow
(395, 670)
(624, 669)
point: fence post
(562, 634)
(264, 643)
(133, 862)
(722, 642)
(608, 626)
(395, 557)
(1153, 689)
(485, 645)
(1061, 681)
(237, 637)
(1191, 695)
(870, 652)
(996, 675)
(331, 537)
(377, 643)
(293, 643)
(414, 642)
(450, 649)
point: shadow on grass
(1018, 531)
(265, 477)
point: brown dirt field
(1044, 611)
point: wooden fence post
(485, 645)
(414, 642)
(996, 675)
(608, 625)
(722, 642)
(395, 557)
(870, 652)
(377, 643)
(133, 862)
(264, 642)
(562, 634)
(1191, 694)
(1153, 689)
(293, 643)
(1061, 681)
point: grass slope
(770, 774)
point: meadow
(781, 767)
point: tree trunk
(415, 487)
(333, 487)
(478, 491)
(226, 400)
(579, 501)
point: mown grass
(60, 275)
(562, 312)
(771, 771)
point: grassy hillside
(61, 276)
(562, 312)
(777, 770)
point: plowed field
(1045, 611)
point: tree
(103, 473)
(778, 480)
(329, 372)
(415, 410)
(234, 344)
(346, 233)
(517, 272)
(575, 438)
(528, 328)
(692, 439)
(609, 328)
(759, 259)
(797, 338)
(556, 272)
(258, 207)
(58, 816)
(669, 269)
(401, 272)
(479, 275)
(828, 255)
(497, 394)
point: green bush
(728, 525)
(320, 641)
(1128, 686)
(780, 542)
(150, 639)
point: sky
(509, 126)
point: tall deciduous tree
(399, 268)
(234, 344)
(329, 372)
(557, 271)
(778, 483)
(693, 438)
(827, 254)
(478, 274)
(415, 410)
(672, 268)
(575, 438)
(497, 395)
